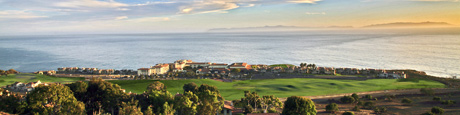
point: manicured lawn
(281, 65)
(284, 87)
(29, 77)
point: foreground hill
(285, 87)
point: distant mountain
(274, 28)
(409, 25)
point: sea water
(437, 55)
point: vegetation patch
(29, 77)
(283, 87)
(282, 65)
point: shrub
(380, 110)
(406, 101)
(368, 105)
(428, 113)
(348, 113)
(369, 97)
(436, 98)
(272, 110)
(356, 108)
(332, 108)
(389, 97)
(437, 110)
(427, 91)
(248, 109)
(360, 103)
(347, 99)
(354, 95)
(448, 102)
(299, 105)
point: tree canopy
(296, 105)
(54, 99)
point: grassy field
(29, 77)
(285, 87)
(281, 65)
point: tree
(437, 98)
(348, 113)
(251, 99)
(104, 96)
(157, 86)
(347, 99)
(12, 103)
(130, 108)
(354, 95)
(159, 98)
(11, 71)
(448, 102)
(296, 105)
(79, 89)
(210, 100)
(149, 111)
(332, 108)
(186, 104)
(369, 105)
(270, 101)
(437, 110)
(406, 101)
(190, 87)
(54, 99)
(427, 91)
(380, 110)
(236, 70)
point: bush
(448, 102)
(369, 105)
(389, 97)
(248, 109)
(436, 98)
(356, 108)
(360, 103)
(369, 97)
(348, 113)
(332, 108)
(299, 105)
(428, 113)
(427, 91)
(380, 110)
(347, 99)
(272, 110)
(406, 101)
(437, 110)
(354, 95)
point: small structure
(227, 109)
(21, 87)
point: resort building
(198, 64)
(218, 66)
(160, 68)
(240, 66)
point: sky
(22, 17)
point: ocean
(437, 55)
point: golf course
(29, 77)
(284, 87)
(234, 90)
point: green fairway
(29, 77)
(284, 87)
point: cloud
(315, 13)
(88, 4)
(305, 1)
(17, 14)
(437, 0)
(121, 17)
